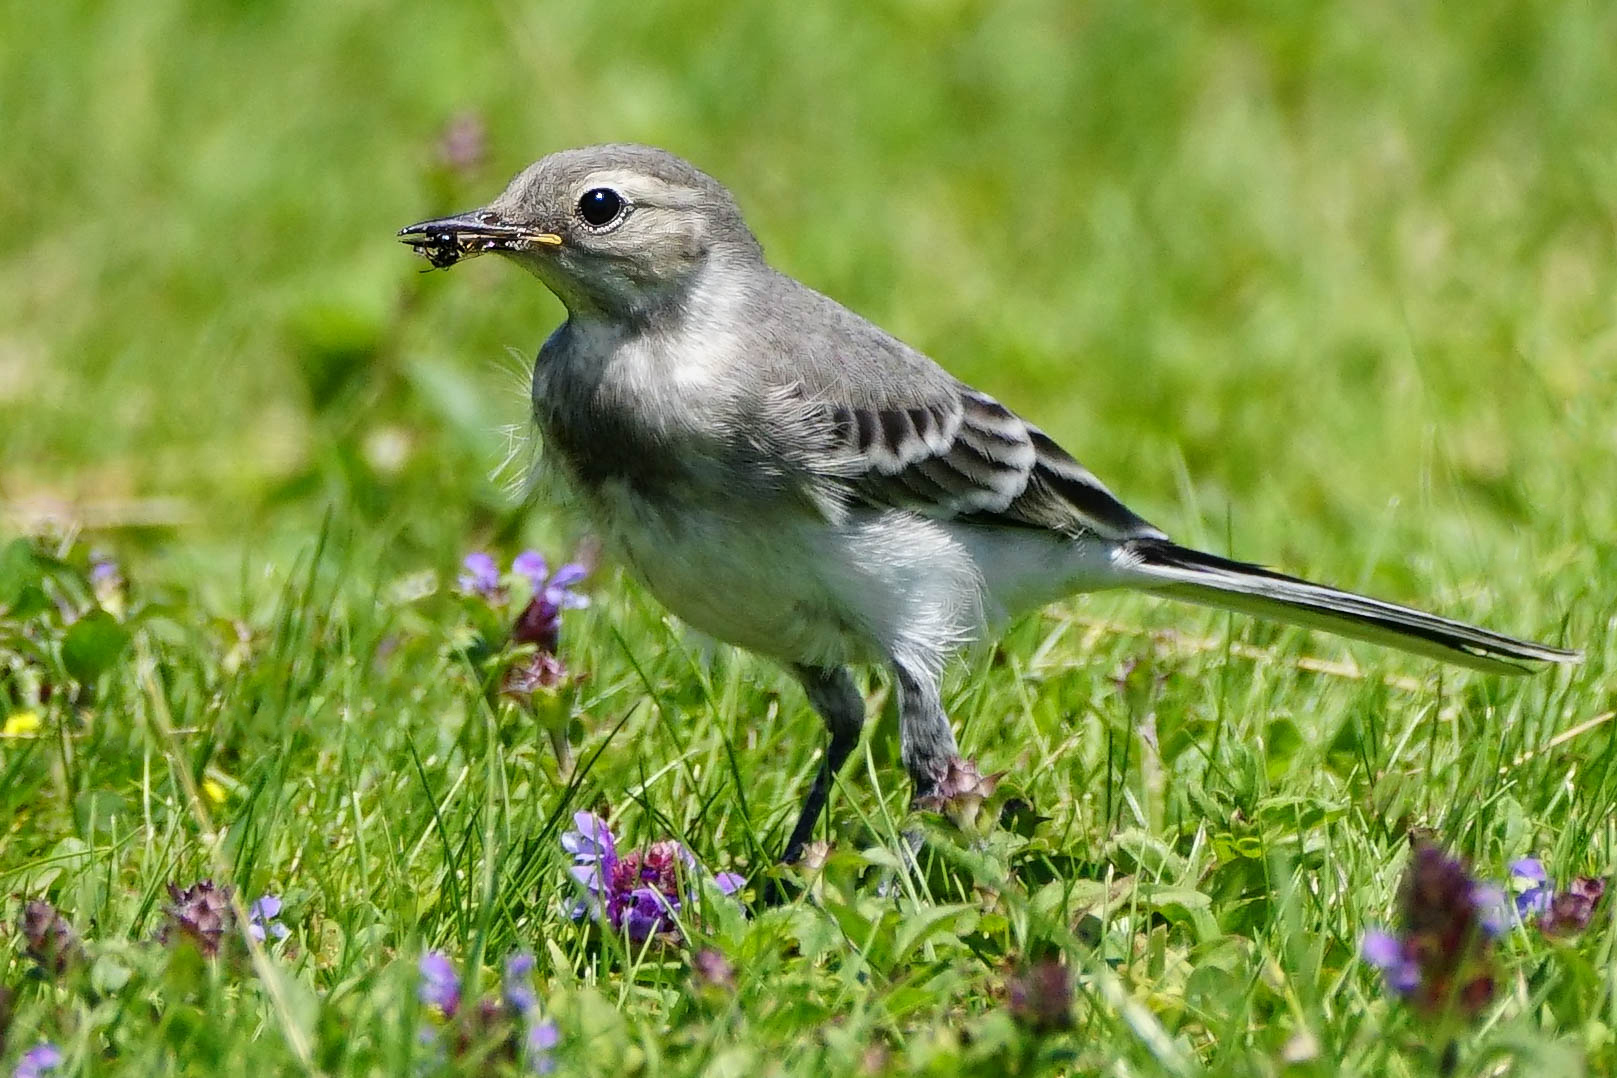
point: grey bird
(787, 477)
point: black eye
(600, 206)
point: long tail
(1190, 575)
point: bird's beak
(446, 240)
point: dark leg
(926, 743)
(834, 695)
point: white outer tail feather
(1190, 575)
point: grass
(1328, 288)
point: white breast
(797, 588)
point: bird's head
(616, 231)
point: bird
(787, 477)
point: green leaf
(30, 603)
(1185, 906)
(816, 933)
(92, 645)
(70, 855)
(297, 1006)
(19, 570)
(737, 1061)
(924, 923)
(108, 975)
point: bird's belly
(796, 587)
(748, 579)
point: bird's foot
(790, 878)
(959, 792)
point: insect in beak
(446, 240)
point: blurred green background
(1328, 285)
(1333, 287)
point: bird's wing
(951, 453)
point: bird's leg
(833, 694)
(926, 743)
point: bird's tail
(1173, 570)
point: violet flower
(201, 913)
(517, 984)
(1386, 953)
(1442, 956)
(637, 892)
(38, 1061)
(48, 938)
(104, 572)
(539, 624)
(440, 984)
(481, 576)
(541, 1041)
(507, 1024)
(710, 969)
(261, 919)
(540, 621)
(1558, 913)
(541, 1036)
(531, 564)
(1534, 898)
(1039, 996)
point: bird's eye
(600, 206)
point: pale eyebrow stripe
(639, 189)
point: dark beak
(446, 240)
(473, 224)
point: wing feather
(961, 456)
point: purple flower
(539, 672)
(532, 564)
(710, 969)
(1559, 913)
(481, 576)
(646, 911)
(1571, 910)
(638, 892)
(440, 984)
(540, 621)
(104, 570)
(48, 938)
(517, 985)
(541, 1041)
(523, 1003)
(1533, 899)
(1530, 869)
(202, 914)
(557, 589)
(592, 841)
(1442, 956)
(1493, 911)
(1039, 996)
(39, 1060)
(539, 624)
(1386, 953)
(261, 919)
(504, 1026)
(560, 589)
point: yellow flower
(21, 724)
(214, 792)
